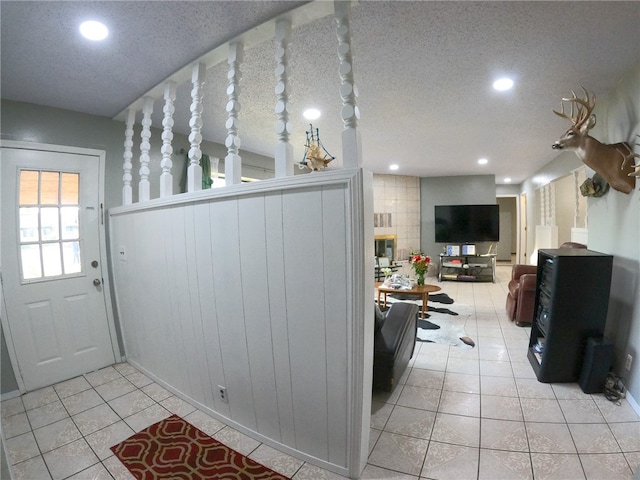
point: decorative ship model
(316, 157)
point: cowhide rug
(444, 331)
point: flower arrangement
(420, 264)
(386, 271)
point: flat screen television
(467, 223)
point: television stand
(467, 268)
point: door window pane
(71, 257)
(31, 263)
(49, 224)
(29, 224)
(49, 183)
(29, 187)
(70, 183)
(69, 223)
(51, 259)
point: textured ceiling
(424, 72)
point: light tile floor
(456, 414)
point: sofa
(394, 343)
(521, 294)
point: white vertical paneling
(278, 315)
(192, 327)
(255, 293)
(181, 285)
(336, 317)
(203, 230)
(304, 283)
(259, 293)
(152, 293)
(230, 312)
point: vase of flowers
(420, 264)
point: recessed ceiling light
(503, 84)
(93, 30)
(483, 161)
(311, 114)
(507, 180)
(393, 167)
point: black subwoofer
(598, 358)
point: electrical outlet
(627, 365)
(222, 391)
(122, 253)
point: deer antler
(583, 108)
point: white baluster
(127, 165)
(144, 192)
(194, 172)
(233, 162)
(284, 150)
(351, 144)
(166, 179)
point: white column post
(127, 165)
(284, 149)
(351, 145)
(144, 192)
(194, 172)
(233, 162)
(166, 179)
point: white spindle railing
(194, 172)
(144, 190)
(283, 153)
(284, 149)
(351, 148)
(127, 165)
(166, 178)
(233, 161)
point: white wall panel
(337, 329)
(257, 321)
(252, 288)
(304, 266)
(278, 315)
(230, 312)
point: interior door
(51, 265)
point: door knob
(97, 282)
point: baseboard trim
(10, 395)
(633, 403)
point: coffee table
(419, 290)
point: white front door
(51, 265)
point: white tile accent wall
(400, 196)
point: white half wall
(263, 289)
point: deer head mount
(614, 162)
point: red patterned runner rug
(175, 449)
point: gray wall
(8, 381)
(38, 124)
(460, 190)
(614, 222)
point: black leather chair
(394, 343)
